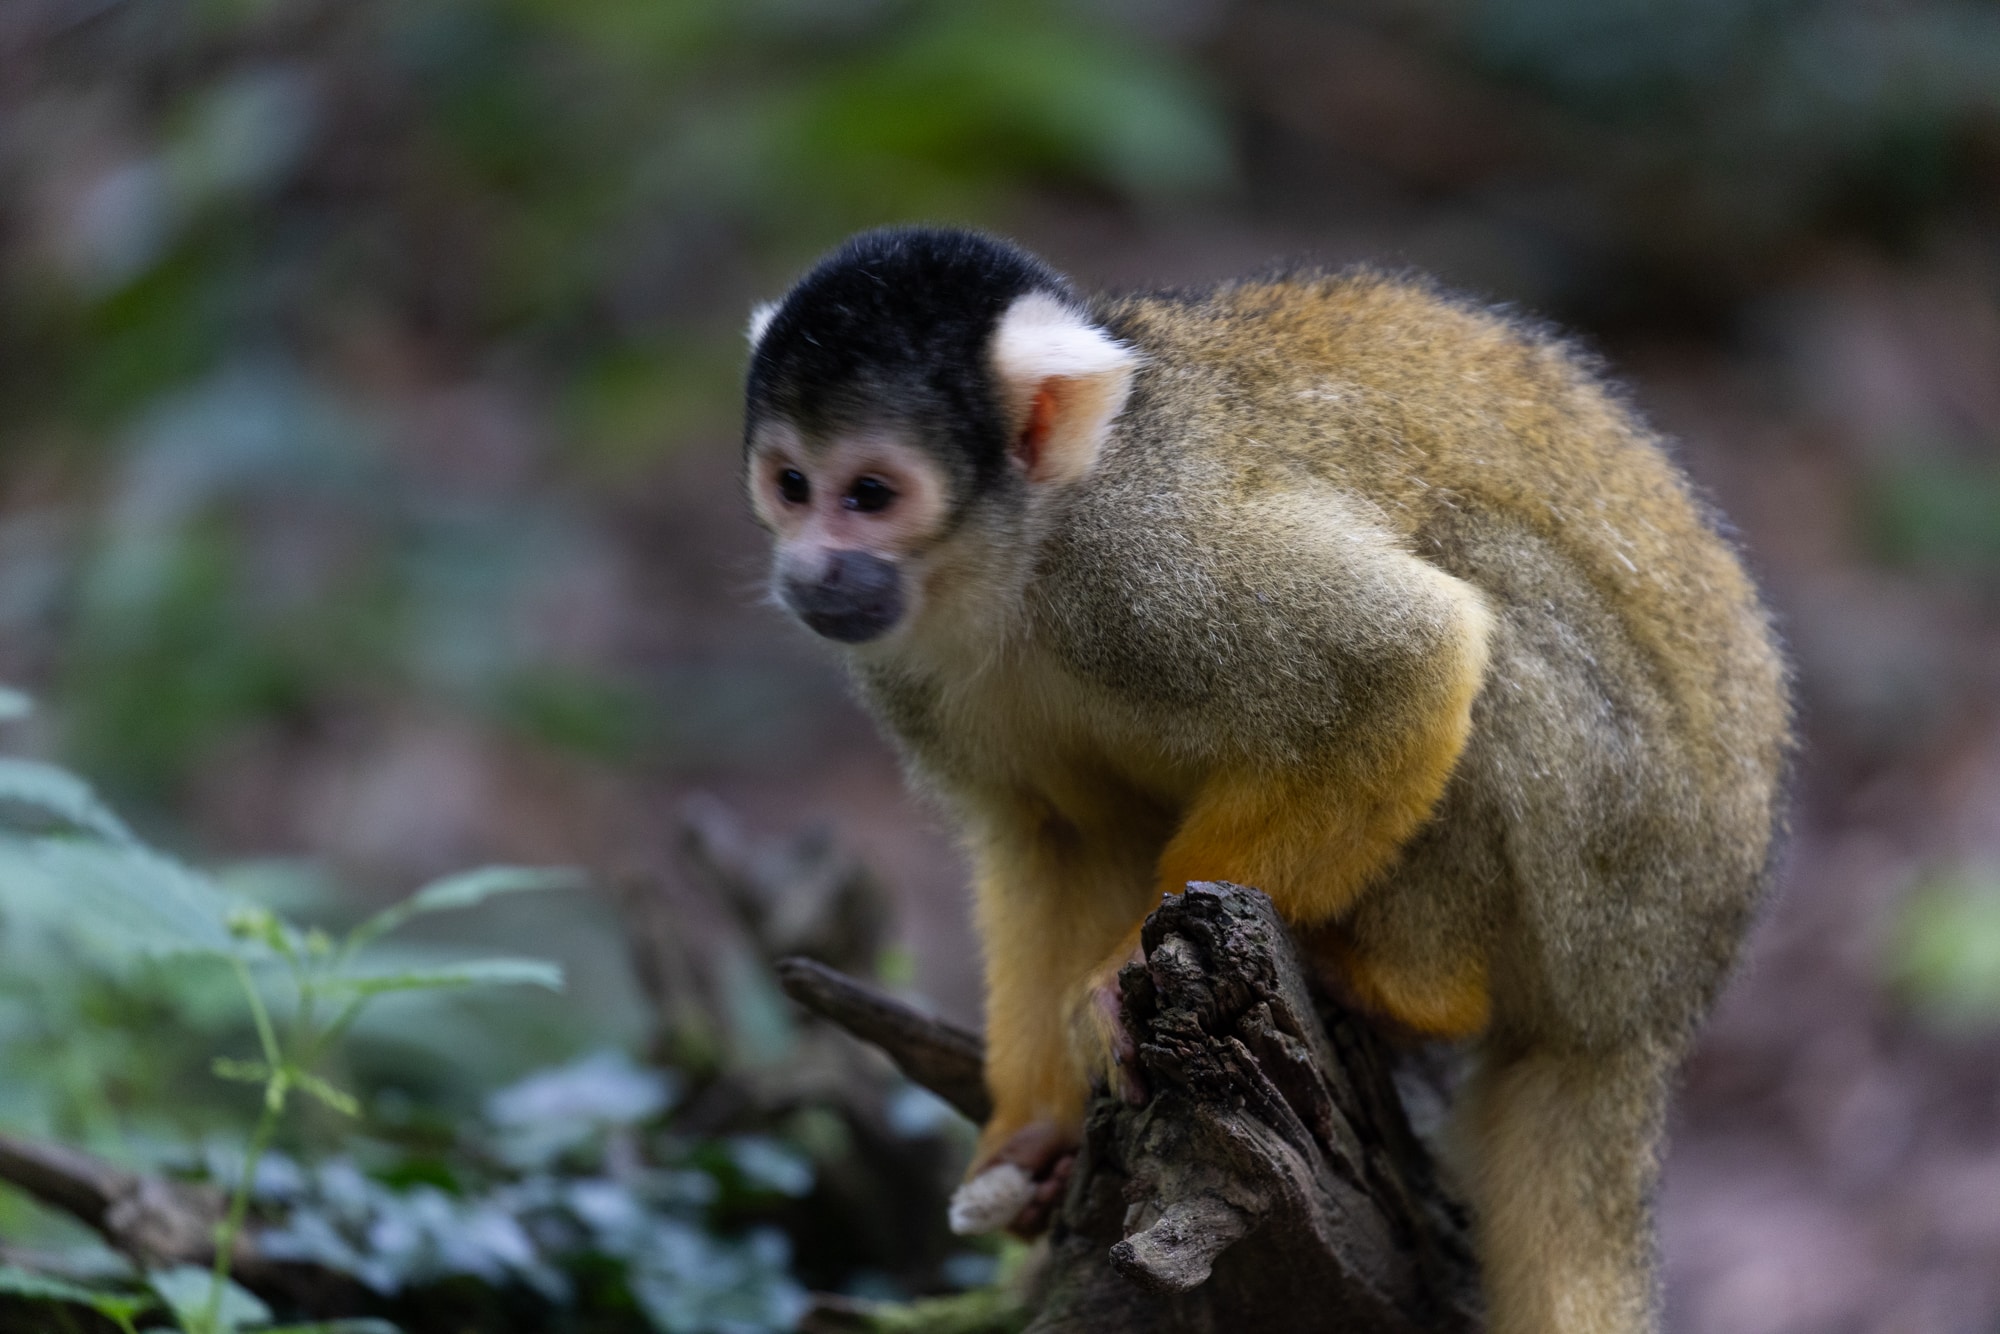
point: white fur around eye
(1043, 342)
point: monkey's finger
(1035, 1148)
(1039, 1211)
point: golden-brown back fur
(1388, 391)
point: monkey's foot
(1020, 1187)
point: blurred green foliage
(1945, 950)
(540, 1193)
(1937, 516)
(1764, 116)
(234, 282)
(126, 932)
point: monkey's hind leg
(1563, 1151)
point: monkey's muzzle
(855, 598)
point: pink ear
(1031, 445)
(1064, 381)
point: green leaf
(992, 1310)
(185, 1290)
(14, 704)
(60, 793)
(239, 1072)
(261, 926)
(124, 898)
(473, 973)
(362, 1325)
(464, 890)
(469, 887)
(337, 1098)
(16, 1282)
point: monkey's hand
(1020, 1176)
(1023, 1179)
(1020, 1185)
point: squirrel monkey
(1325, 583)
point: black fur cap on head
(893, 328)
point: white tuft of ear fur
(1064, 381)
(1041, 335)
(760, 319)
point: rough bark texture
(1272, 1181)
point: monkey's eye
(869, 494)
(794, 487)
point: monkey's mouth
(858, 597)
(856, 625)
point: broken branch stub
(942, 1057)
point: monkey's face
(851, 518)
(911, 402)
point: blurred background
(369, 378)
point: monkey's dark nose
(856, 597)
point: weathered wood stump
(1272, 1182)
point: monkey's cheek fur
(991, 1200)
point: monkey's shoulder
(1371, 327)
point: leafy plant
(67, 860)
(568, 1191)
(565, 1180)
(329, 990)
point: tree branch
(942, 1057)
(161, 1223)
(152, 1220)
